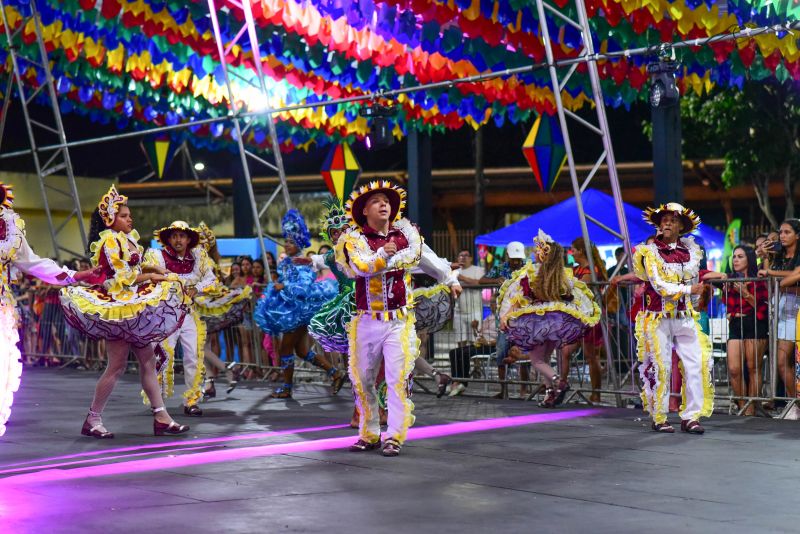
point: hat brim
(357, 211)
(162, 236)
(688, 225)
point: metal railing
(46, 339)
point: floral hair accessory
(6, 196)
(110, 204)
(542, 242)
(207, 237)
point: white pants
(192, 337)
(657, 337)
(396, 343)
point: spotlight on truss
(380, 129)
(663, 87)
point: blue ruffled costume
(299, 300)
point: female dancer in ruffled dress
(221, 309)
(287, 306)
(329, 325)
(132, 310)
(543, 307)
(17, 254)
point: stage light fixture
(199, 166)
(663, 87)
(380, 129)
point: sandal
(443, 380)
(211, 391)
(363, 445)
(338, 381)
(391, 448)
(561, 391)
(692, 427)
(97, 431)
(664, 428)
(549, 399)
(283, 392)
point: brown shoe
(664, 428)
(549, 399)
(193, 411)
(171, 428)
(391, 448)
(363, 446)
(692, 427)
(283, 392)
(97, 431)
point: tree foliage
(755, 130)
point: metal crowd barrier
(46, 339)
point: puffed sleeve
(436, 267)
(647, 268)
(44, 269)
(361, 259)
(318, 262)
(208, 280)
(124, 275)
(153, 258)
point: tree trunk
(788, 192)
(761, 186)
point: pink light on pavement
(245, 453)
(166, 444)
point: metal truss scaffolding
(56, 159)
(242, 124)
(600, 130)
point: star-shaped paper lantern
(544, 149)
(341, 171)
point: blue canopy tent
(246, 246)
(562, 222)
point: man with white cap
(515, 259)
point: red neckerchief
(366, 229)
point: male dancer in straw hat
(670, 268)
(379, 250)
(181, 255)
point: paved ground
(252, 465)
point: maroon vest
(175, 264)
(394, 287)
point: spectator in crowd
(233, 274)
(515, 259)
(468, 311)
(593, 339)
(620, 268)
(257, 278)
(785, 263)
(485, 343)
(244, 331)
(748, 310)
(767, 246)
(272, 266)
